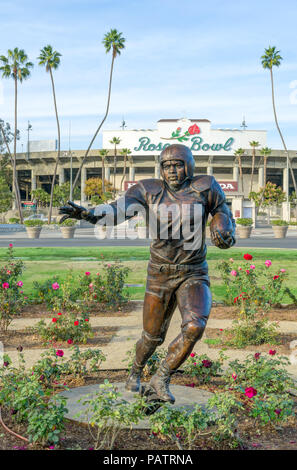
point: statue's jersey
(176, 219)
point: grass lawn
(44, 263)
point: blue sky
(194, 59)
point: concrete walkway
(129, 331)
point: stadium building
(213, 150)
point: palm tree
(103, 154)
(51, 60)
(265, 151)
(115, 42)
(238, 154)
(253, 144)
(269, 59)
(115, 141)
(17, 67)
(124, 152)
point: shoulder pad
(202, 182)
(152, 186)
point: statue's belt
(179, 267)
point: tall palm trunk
(281, 135)
(265, 168)
(101, 124)
(240, 173)
(114, 169)
(59, 145)
(124, 171)
(14, 170)
(103, 175)
(253, 167)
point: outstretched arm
(73, 211)
(222, 238)
(133, 198)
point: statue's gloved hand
(73, 211)
(222, 240)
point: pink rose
(55, 286)
(252, 266)
(250, 392)
(87, 273)
(193, 354)
(233, 273)
(268, 263)
(247, 271)
(10, 245)
(20, 284)
(282, 270)
(234, 376)
(5, 285)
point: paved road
(262, 238)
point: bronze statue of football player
(177, 270)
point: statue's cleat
(159, 383)
(153, 402)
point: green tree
(17, 67)
(103, 153)
(272, 58)
(115, 141)
(51, 60)
(239, 154)
(5, 194)
(124, 152)
(113, 41)
(253, 144)
(93, 187)
(268, 196)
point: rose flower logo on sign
(176, 135)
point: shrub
(279, 222)
(202, 367)
(108, 413)
(44, 292)
(14, 220)
(180, 425)
(244, 221)
(11, 294)
(23, 394)
(34, 223)
(68, 223)
(64, 327)
(264, 384)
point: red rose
(257, 355)
(194, 129)
(76, 323)
(59, 313)
(275, 277)
(86, 319)
(54, 320)
(70, 341)
(272, 352)
(60, 353)
(247, 256)
(206, 363)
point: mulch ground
(95, 309)
(282, 343)
(287, 313)
(14, 338)
(76, 436)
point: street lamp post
(29, 128)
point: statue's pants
(168, 286)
